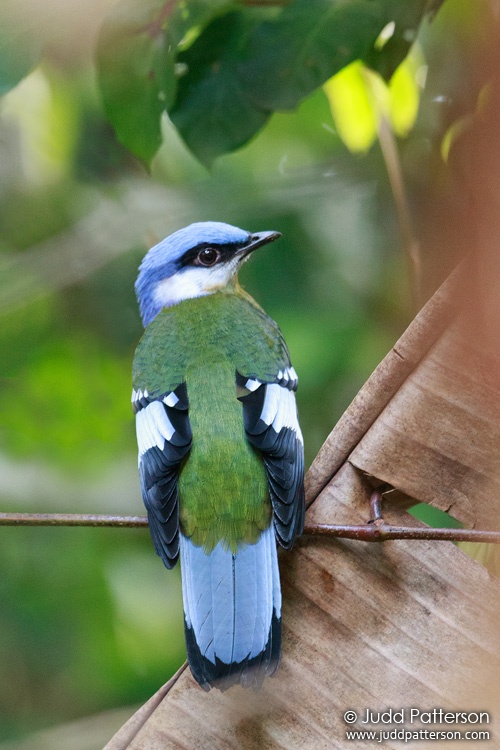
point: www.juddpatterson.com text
(406, 735)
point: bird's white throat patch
(194, 282)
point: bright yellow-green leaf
(404, 96)
(352, 109)
(359, 98)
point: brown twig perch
(382, 532)
(71, 519)
(375, 531)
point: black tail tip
(249, 673)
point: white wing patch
(290, 376)
(137, 395)
(153, 427)
(286, 378)
(252, 385)
(171, 400)
(280, 410)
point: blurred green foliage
(88, 618)
(220, 69)
(74, 636)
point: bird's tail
(232, 612)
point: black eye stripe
(225, 251)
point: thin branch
(376, 504)
(376, 531)
(392, 161)
(70, 519)
(381, 532)
(390, 154)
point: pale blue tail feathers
(232, 612)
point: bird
(221, 457)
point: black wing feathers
(159, 468)
(271, 426)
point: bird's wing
(164, 439)
(271, 426)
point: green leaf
(19, 51)
(405, 19)
(289, 57)
(250, 63)
(136, 59)
(221, 68)
(135, 67)
(212, 110)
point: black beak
(257, 240)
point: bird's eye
(208, 256)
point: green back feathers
(223, 325)
(203, 341)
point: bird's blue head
(194, 261)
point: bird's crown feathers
(172, 248)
